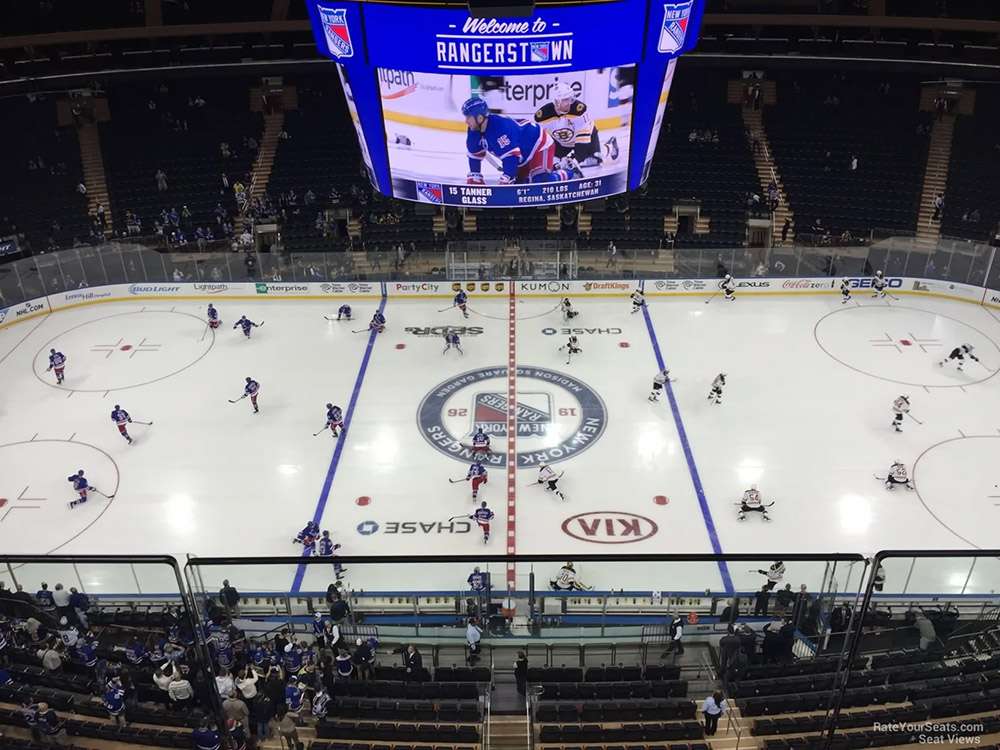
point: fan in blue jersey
(460, 301)
(378, 322)
(213, 317)
(525, 150)
(246, 324)
(483, 516)
(344, 311)
(451, 340)
(334, 419)
(57, 362)
(121, 418)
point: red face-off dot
(400, 346)
(906, 342)
(126, 347)
(623, 344)
(661, 500)
(3, 501)
(363, 500)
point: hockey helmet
(475, 106)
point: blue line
(706, 514)
(324, 494)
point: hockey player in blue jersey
(246, 324)
(57, 362)
(460, 301)
(526, 151)
(121, 418)
(251, 389)
(378, 322)
(82, 486)
(213, 316)
(483, 516)
(344, 311)
(311, 529)
(326, 548)
(451, 340)
(480, 444)
(477, 475)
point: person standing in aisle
(713, 709)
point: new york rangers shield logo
(675, 25)
(338, 35)
(431, 191)
(540, 51)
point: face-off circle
(955, 488)
(36, 518)
(126, 350)
(558, 415)
(900, 344)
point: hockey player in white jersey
(638, 300)
(717, 385)
(568, 312)
(774, 574)
(567, 580)
(845, 291)
(728, 287)
(659, 380)
(900, 407)
(567, 120)
(548, 477)
(897, 475)
(753, 503)
(958, 355)
(879, 284)
(571, 347)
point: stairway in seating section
(935, 177)
(767, 170)
(92, 160)
(508, 732)
(273, 124)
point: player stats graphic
(538, 139)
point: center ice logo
(556, 415)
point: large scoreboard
(560, 106)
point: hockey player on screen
(753, 503)
(958, 355)
(728, 287)
(460, 301)
(897, 475)
(525, 150)
(572, 128)
(57, 362)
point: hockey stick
(136, 421)
(539, 482)
(740, 502)
(455, 518)
(109, 497)
(320, 432)
(890, 295)
(261, 324)
(237, 400)
(362, 330)
(881, 479)
(450, 307)
(456, 481)
(712, 297)
(913, 418)
(331, 319)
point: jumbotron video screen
(561, 106)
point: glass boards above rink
(502, 112)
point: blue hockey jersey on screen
(512, 142)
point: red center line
(511, 436)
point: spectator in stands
(713, 708)
(287, 731)
(233, 708)
(246, 683)
(854, 162)
(785, 228)
(784, 598)
(414, 664)
(729, 649)
(114, 702)
(612, 255)
(363, 659)
(521, 672)
(162, 680)
(68, 633)
(731, 612)
(206, 736)
(761, 600)
(230, 599)
(320, 703)
(81, 188)
(879, 578)
(473, 636)
(263, 712)
(840, 618)
(801, 606)
(339, 609)
(51, 656)
(926, 630)
(676, 635)
(294, 693)
(224, 682)
(161, 180)
(50, 726)
(938, 207)
(180, 691)
(345, 667)
(773, 645)
(60, 597)
(44, 597)
(748, 641)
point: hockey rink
(805, 416)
